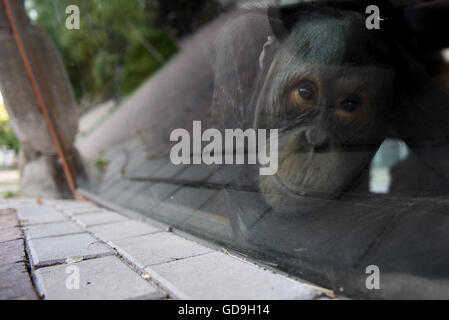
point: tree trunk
(41, 170)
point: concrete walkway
(78, 250)
(14, 279)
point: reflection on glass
(361, 116)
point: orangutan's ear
(264, 56)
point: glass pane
(308, 135)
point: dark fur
(331, 48)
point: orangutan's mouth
(295, 188)
(294, 191)
(287, 189)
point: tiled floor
(80, 251)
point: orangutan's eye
(305, 94)
(350, 105)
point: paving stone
(52, 229)
(113, 151)
(167, 171)
(161, 191)
(12, 252)
(239, 177)
(6, 211)
(191, 197)
(73, 204)
(157, 248)
(104, 278)
(138, 158)
(130, 192)
(17, 205)
(224, 176)
(217, 276)
(243, 208)
(135, 144)
(147, 167)
(182, 204)
(93, 219)
(141, 204)
(115, 189)
(149, 198)
(6, 206)
(15, 283)
(122, 230)
(211, 225)
(8, 221)
(82, 210)
(170, 213)
(48, 251)
(197, 173)
(414, 244)
(107, 184)
(121, 187)
(115, 165)
(337, 236)
(8, 234)
(63, 202)
(39, 214)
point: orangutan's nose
(317, 137)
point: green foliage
(108, 55)
(9, 194)
(100, 163)
(7, 136)
(139, 65)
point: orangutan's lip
(295, 193)
(281, 185)
(288, 187)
